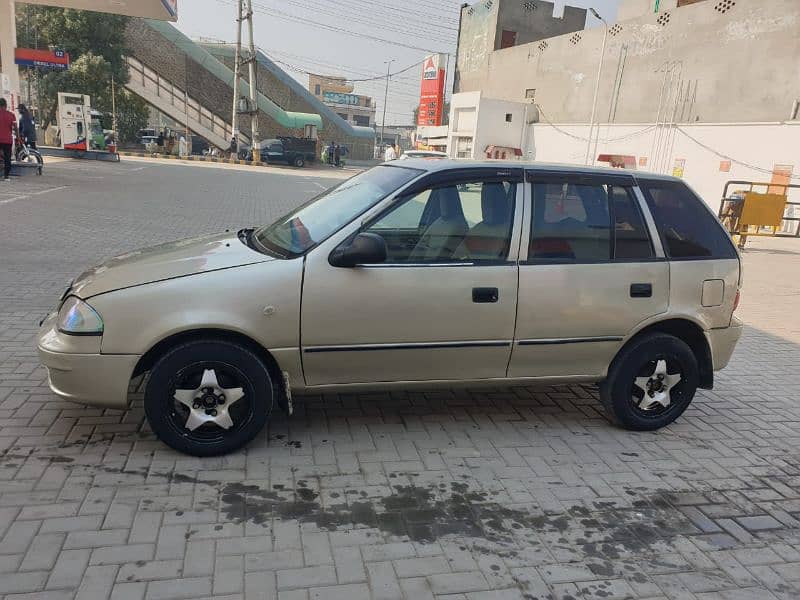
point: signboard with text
(431, 97)
(57, 60)
(339, 98)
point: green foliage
(96, 44)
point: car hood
(166, 261)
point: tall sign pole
(254, 135)
(237, 74)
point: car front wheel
(208, 397)
(651, 382)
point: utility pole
(386, 96)
(237, 74)
(596, 90)
(254, 135)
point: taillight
(736, 300)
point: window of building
(530, 94)
(463, 147)
(509, 117)
(362, 120)
(687, 228)
(508, 39)
(344, 116)
(317, 90)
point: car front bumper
(723, 342)
(78, 372)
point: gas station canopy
(165, 10)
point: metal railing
(190, 108)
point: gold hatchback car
(415, 273)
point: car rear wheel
(650, 383)
(208, 397)
(299, 161)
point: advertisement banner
(340, 98)
(42, 59)
(431, 98)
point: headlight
(78, 318)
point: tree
(445, 113)
(96, 44)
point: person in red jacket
(8, 129)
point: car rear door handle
(641, 290)
(485, 295)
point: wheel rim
(658, 387)
(209, 402)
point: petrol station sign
(57, 60)
(431, 98)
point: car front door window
(460, 222)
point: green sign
(337, 98)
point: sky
(339, 41)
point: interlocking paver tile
(461, 494)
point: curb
(224, 161)
(211, 159)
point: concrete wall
(534, 21)
(703, 147)
(481, 30)
(739, 65)
(486, 122)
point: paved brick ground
(500, 494)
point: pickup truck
(289, 150)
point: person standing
(390, 153)
(233, 149)
(337, 155)
(8, 129)
(27, 128)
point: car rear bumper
(723, 342)
(87, 378)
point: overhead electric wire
(304, 21)
(426, 27)
(730, 158)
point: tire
(183, 369)
(299, 162)
(640, 361)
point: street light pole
(386, 96)
(596, 88)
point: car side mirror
(365, 248)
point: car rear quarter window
(687, 228)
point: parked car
(420, 273)
(290, 150)
(422, 154)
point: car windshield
(297, 232)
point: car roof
(446, 164)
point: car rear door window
(570, 222)
(631, 240)
(687, 228)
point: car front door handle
(485, 295)
(641, 290)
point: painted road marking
(24, 196)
